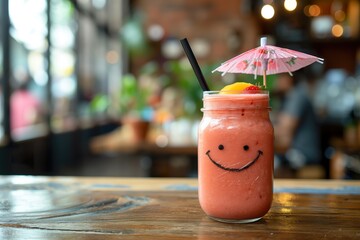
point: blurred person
(25, 106)
(297, 134)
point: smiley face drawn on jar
(247, 165)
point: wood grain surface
(146, 208)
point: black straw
(190, 55)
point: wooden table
(168, 208)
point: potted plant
(134, 106)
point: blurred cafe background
(103, 88)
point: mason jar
(235, 156)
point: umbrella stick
(264, 78)
(190, 55)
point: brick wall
(226, 27)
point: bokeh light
(312, 10)
(267, 11)
(290, 5)
(340, 15)
(112, 57)
(337, 30)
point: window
(28, 41)
(63, 66)
(2, 133)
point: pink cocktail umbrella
(267, 60)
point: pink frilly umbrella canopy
(266, 60)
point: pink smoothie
(235, 154)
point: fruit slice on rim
(239, 87)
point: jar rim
(235, 109)
(236, 92)
(242, 100)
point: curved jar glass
(236, 155)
